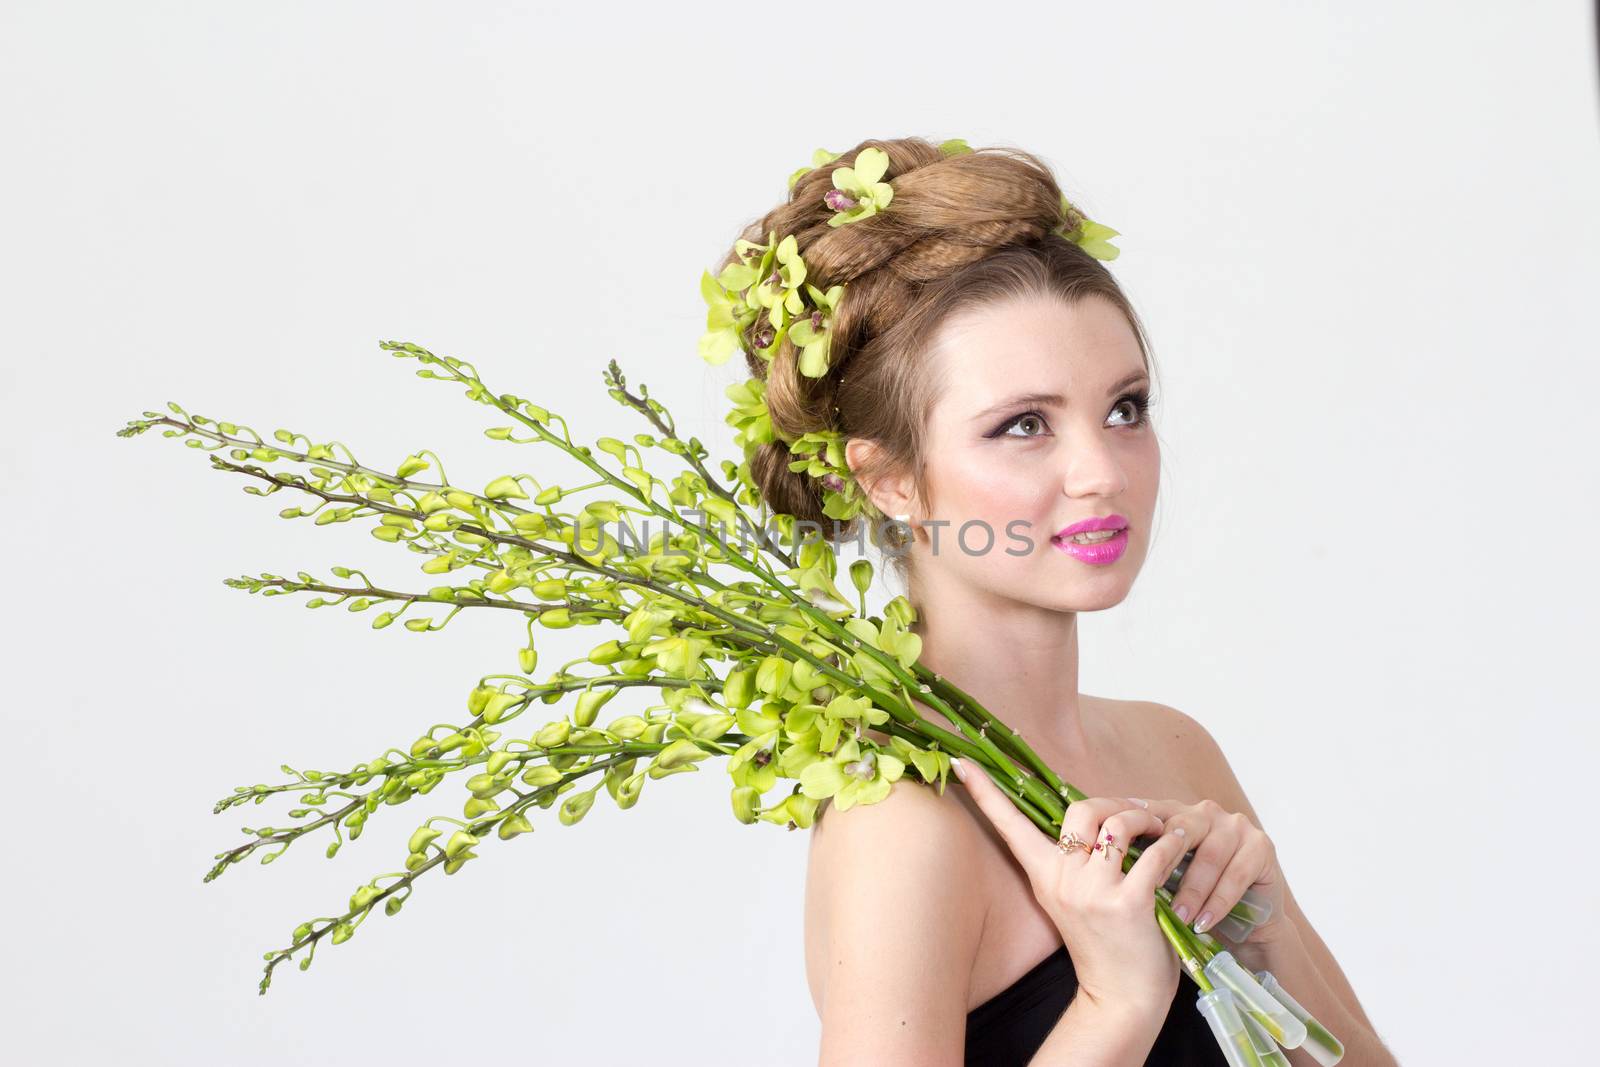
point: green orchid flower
(749, 417)
(857, 192)
(753, 763)
(779, 288)
(728, 316)
(797, 810)
(955, 146)
(1087, 234)
(852, 775)
(813, 332)
(821, 455)
(819, 588)
(734, 302)
(818, 158)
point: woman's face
(1040, 425)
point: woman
(993, 385)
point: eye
(1138, 404)
(1027, 418)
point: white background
(1364, 238)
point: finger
(1085, 816)
(1117, 832)
(1250, 861)
(1032, 848)
(1211, 856)
(1156, 861)
(1162, 809)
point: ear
(892, 493)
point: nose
(1093, 467)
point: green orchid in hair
(1084, 232)
(779, 288)
(812, 333)
(857, 191)
(730, 307)
(955, 146)
(818, 158)
(749, 417)
(728, 314)
(820, 454)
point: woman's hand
(1231, 855)
(1106, 918)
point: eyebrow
(1052, 398)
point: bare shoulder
(1168, 725)
(894, 910)
(1190, 745)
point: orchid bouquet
(753, 654)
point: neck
(1019, 661)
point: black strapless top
(1008, 1028)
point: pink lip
(1108, 551)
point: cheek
(979, 488)
(1144, 468)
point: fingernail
(1201, 923)
(956, 765)
(1182, 912)
(1180, 831)
(1141, 803)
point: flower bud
(421, 838)
(658, 771)
(608, 653)
(498, 760)
(532, 524)
(504, 487)
(342, 932)
(498, 704)
(553, 734)
(476, 806)
(590, 701)
(453, 865)
(678, 753)
(393, 905)
(745, 800)
(512, 825)
(541, 775)
(627, 728)
(459, 842)
(861, 575)
(738, 688)
(485, 784)
(302, 931)
(901, 611)
(363, 896)
(773, 675)
(576, 807)
(711, 727)
(527, 659)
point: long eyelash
(1142, 403)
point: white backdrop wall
(1364, 238)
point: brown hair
(961, 231)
